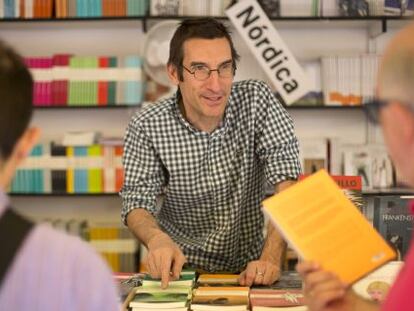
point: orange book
(48, 8)
(64, 8)
(106, 7)
(103, 85)
(322, 225)
(22, 13)
(121, 8)
(37, 8)
(58, 8)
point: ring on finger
(260, 273)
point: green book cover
(159, 300)
(113, 62)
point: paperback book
(350, 251)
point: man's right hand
(164, 259)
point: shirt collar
(220, 130)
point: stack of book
(177, 296)
(68, 80)
(219, 292)
(234, 298)
(277, 299)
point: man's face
(205, 101)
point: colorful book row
(59, 169)
(72, 8)
(66, 80)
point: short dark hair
(204, 28)
(16, 94)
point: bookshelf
(308, 37)
(103, 194)
(109, 107)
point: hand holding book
(323, 226)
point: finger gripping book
(323, 225)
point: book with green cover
(159, 300)
(186, 279)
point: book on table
(156, 298)
(276, 298)
(218, 279)
(230, 298)
(323, 225)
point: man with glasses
(394, 110)
(208, 152)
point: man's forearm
(143, 225)
(274, 247)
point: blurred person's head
(396, 102)
(16, 92)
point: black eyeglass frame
(211, 70)
(372, 108)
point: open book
(322, 225)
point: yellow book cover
(323, 225)
(70, 175)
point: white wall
(307, 40)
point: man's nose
(213, 81)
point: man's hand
(324, 291)
(259, 272)
(164, 259)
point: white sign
(268, 47)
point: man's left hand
(259, 272)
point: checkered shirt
(212, 184)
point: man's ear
(29, 138)
(173, 74)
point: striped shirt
(54, 271)
(212, 183)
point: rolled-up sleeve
(277, 145)
(144, 177)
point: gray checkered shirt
(212, 184)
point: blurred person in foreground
(394, 110)
(40, 269)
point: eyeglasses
(373, 107)
(202, 72)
